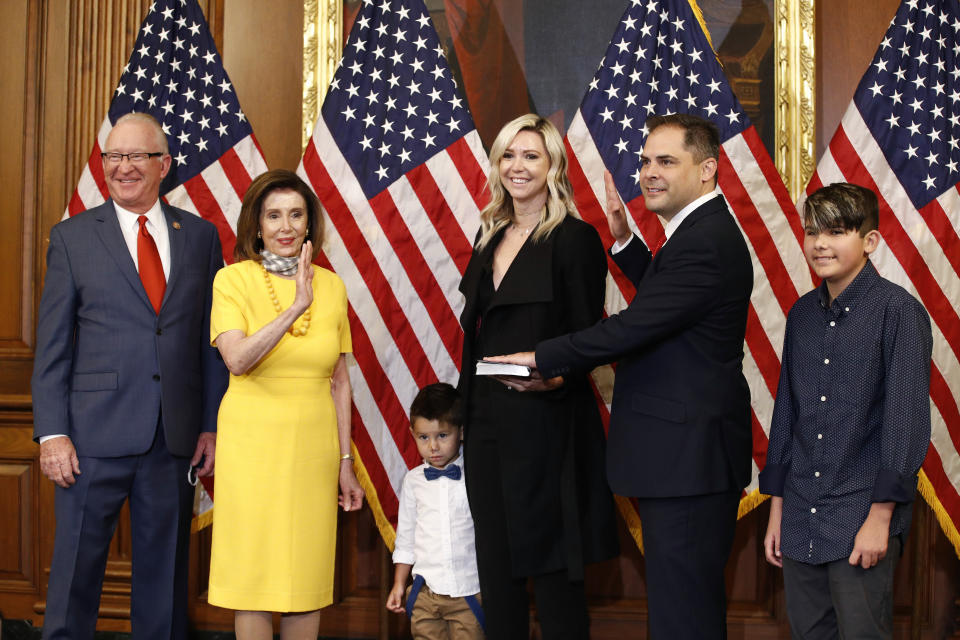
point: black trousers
(686, 544)
(87, 513)
(561, 604)
(836, 600)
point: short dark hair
(249, 245)
(438, 401)
(700, 137)
(842, 205)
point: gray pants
(836, 600)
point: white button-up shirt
(675, 221)
(435, 532)
(156, 226)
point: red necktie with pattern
(151, 269)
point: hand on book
(535, 382)
(526, 358)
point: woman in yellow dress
(283, 435)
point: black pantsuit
(561, 606)
(535, 480)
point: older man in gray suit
(126, 387)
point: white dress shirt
(435, 532)
(156, 225)
(130, 227)
(675, 221)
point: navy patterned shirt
(851, 423)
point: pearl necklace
(293, 330)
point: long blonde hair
(499, 211)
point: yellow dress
(278, 454)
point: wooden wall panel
(848, 35)
(18, 482)
(18, 79)
(263, 55)
(20, 574)
(13, 77)
(62, 61)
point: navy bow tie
(452, 472)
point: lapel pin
(176, 225)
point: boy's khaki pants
(436, 617)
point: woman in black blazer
(534, 449)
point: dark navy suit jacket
(106, 364)
(680, 422)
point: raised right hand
(59, 462)
(615, 212)
(304, 296)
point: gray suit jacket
(106, 364)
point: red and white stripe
(920, 252)
(401, 255)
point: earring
(258, 234)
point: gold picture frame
(322, 46)
(794, 73)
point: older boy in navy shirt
(851, 426)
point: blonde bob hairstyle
(499, 211)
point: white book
(486, 368)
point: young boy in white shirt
(435, 529)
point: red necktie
(657, 247)
(151, 269)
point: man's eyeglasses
(136, 158)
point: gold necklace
(293, 330)
(525, 231)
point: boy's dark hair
(701, 138)
(842, 206)
(438, 401)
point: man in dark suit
(126, 387)
(680, 434)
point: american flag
(401, 172)
(659, 61)
(900, 137)
(176, 75)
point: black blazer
(551, 444)
(680, 422)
